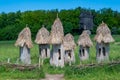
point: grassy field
(8, 50)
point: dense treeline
(12, 23)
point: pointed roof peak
(42, 36)
(103, 34)
(26, 25)
(102, 21)
(103, 24)
(57, 15)
(27, 28)
(43, 26)
(84, 39)
(24, 37)
(57, 32)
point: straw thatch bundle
(24, 38)
(84, 40)
(103, 34)
(57, 34)
(68, 42)
(42, 36)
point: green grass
(98, 73)
(8, 73)
(8, 50)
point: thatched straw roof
(24, 38)
(103, 34)
(57, 34)
(42, 36)
(84, 40)
(68, 42)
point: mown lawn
(8, 50)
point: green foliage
(12, 23)
(68, 27)
(10, 32)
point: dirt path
(54, 77)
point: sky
(24, 5)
